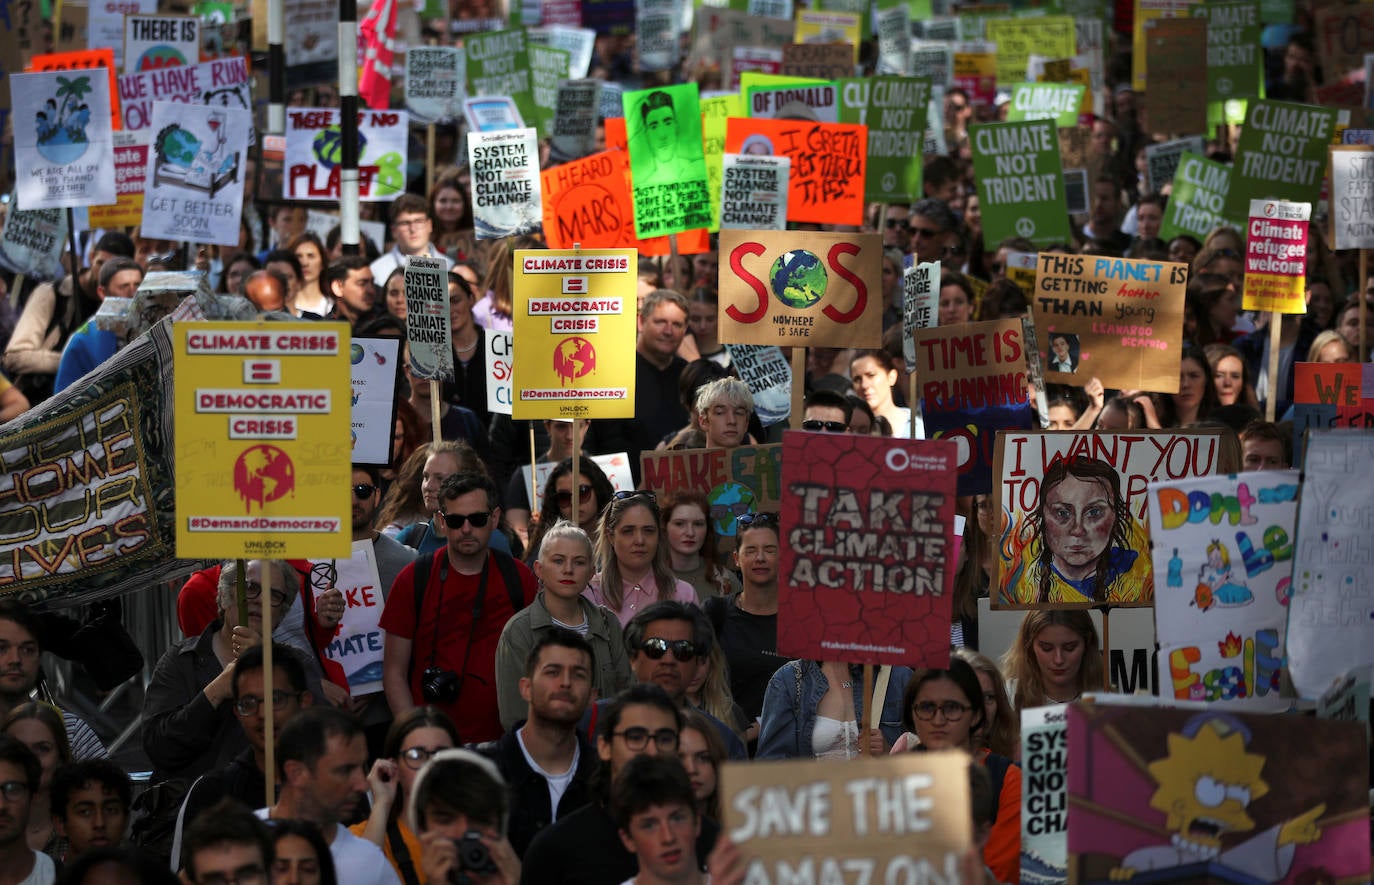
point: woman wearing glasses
(943, 710)
(634, 565)
(594, 491)
(811, 710)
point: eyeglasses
(952, 710)
(411, 223)
(248, 875)
(894, 223)
(650, 498)
(683, 650)
(638, 738)
(827, 426)
(364, 490)
(249, 704)
(416, 757)
(253, 590)
(919, 232)
(564, 499)
(456, 521)
(13, 791)
(750, 520)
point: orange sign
(826, 185)
(82, 60)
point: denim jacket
(794, 693)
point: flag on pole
(377, 33)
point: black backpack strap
(401, 853)
(423, 563)
(510, 576)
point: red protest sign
(826, 185)
(867, 549)
(81, 60)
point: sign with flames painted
(262, 442)
(577, 307)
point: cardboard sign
(574, 119)
(1179, 46)
(1275, 256)
(375, 364)
(63, 148)
(920, 305)
(435, 83)
(1148, 14)
(255, 404)
(499, 65)
(766, 371)
(154, 42)
(1281, 155)
(1016, 38)
(1162, 160)
(821, 26)
(893, 110)
(1044, 792)
(1345, 34)
(505, 183)
(667, 166)
(828, 164)
(130, 169)
(428, 329)
(820, 61)
(893, 819)
(1048, 481)
(500, 371)
(193, 184)
(83, 60)
(972, 384)
(800, 288)
(867, 565)
(358, 646)
(1020, 182)
(223, 82)
(1351, 199)
(1234, 55)
(1329, 395)
(1046, 101)
(616, 467)
(548, 68)
(754, 192)
(314, 152)
(575, 316)
(745, 479)
(31, 242)
(1224, 546)
(1282, 816)
(1198, 201)
(1116, 319)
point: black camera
(440, 686)
(473, 858)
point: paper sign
(154, 42)
(587, 202)
(1016, 38)
(428, 330)
(223, 82)
(972, 379)
(254, 404)
(63, 148)
(314, 153)
(130, 168)
(715, 112)
(548, 68)
(1281, 155)
(358, 646)
(920, 305)
(615, 466)
(1044, 793)
(577, 42)
(83, 60)
(657, 23)
(821, 61)
(1275, 256)
(1344, 35)
(820, 26)
(1148, 14)
(894, 40)
(193, 188)
(1046, 101)
(754, 192)
(575, 318)
(1329, 395)
(934, 62)
(31, 242)
(505, 183)
(1234, 54)
(1162, 160)
(1198, 201)
(1351, 199)
(1179, 46)
(1224, 547)
(828, 164)
(500, 393)
(1117, 319)
(766, 371)
(312, 32)
(574, 119)
(375, 364)
(667, 166)
(975, 72)
(1020, 182)
(867, 569)
(800, 288)
(492, 114)
(719, 30)
(499, 66)
(819, 102)
(105, 24)
(1043, 473)
(745, 479)
(892, 109)
(749, 59)
(435, 83)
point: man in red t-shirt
(441, 650)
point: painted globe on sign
(328, 146)
(356, 353)
(798, 279)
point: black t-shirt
(750, 643)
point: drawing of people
(1215, 584)
(1061, 353)
(659, 128)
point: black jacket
(529, 791)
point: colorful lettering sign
(358, 645)
(153, 42)
(745, 479)
(1329, 395)
(828, 164)
(1275, 256)
(314, 154)
(130, 169)
(223, 82)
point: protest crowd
(577, 659)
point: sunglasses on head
(683, 649)
(750, 520)
(456, 521)
(564, 498)
(364, 490)
(827, 426)
(649, 499)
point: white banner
(63, 143)
(505, 183)
(373, 362)
(314, 154)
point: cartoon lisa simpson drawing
(1206, 784)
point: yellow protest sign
(1018, 38)
(820, 26)
(263, 440)
(575, 321)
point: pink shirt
(638, 596)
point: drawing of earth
(798, 279)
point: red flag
(377, 32)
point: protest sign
(578, 42)
(193, 183)
(152, 42)
(894, 40)
(1179, 46)
(820, 61)
(975, 71)
(314, 153)
(753, 59)
(357, 647)
(435, 83)
(505, 183)
(82, 60)
(1044, 479)
(1275, 256)
(312, 32)
(548, 68)
(1198, 201)
(1234, 54)
(32, 240)
(574, 119)
(1281, 155)
(972, 384)
(587, 201)
(105, 24)
(920, 305)
(1045, 793)
(901, 818)
(223, 82)
(769, 377)
(608, 17)
(375, 364)
(1020, 182)
(1347, 700)
(819, 102)
(1351, 199)
(745, 479)
(428, 331)
(1345, 34)
(934, 62)
(867, 563)
(1016, 38)
(262, 460)
(893, 109)
(1224, 545)
(1285, 813)
(718, 30)
(667, 166)
(499, 65)
(492, 113)
(1162, 160)
(1020, 269)
(578, 307)
(616, 467)
(130, 170)
(63, 148)
(1046, 101)
(1116, 319)
(828, 164)
(822, 26)
(715, 112)
(800, 288)
(657, 23)
(500, 356)
(1330, 395)
(1148, 15)
(754, 192)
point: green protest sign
(548, 67)
(1233, 54)
(894, 109)
(1281, 155)
(667, 165)
(1059, 102)
(1020, 182)
(498, 65)
(1198, 200)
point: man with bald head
(266, 290)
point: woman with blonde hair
(1056, 657)
(1330, 347)
(1001, 730)
(494, 309)
(709, 690)
(634, 564)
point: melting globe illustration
(798, 279)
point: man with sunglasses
(894, 226)
(443, 623)
(826, 411)
(933, 226)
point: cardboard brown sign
(1177, 102)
